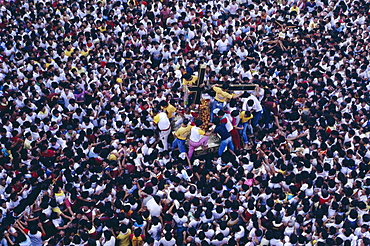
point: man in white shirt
(223, 44)
(167, 240)
(108, 239)
(252, 104)
(164, 126)
(66, 95)
(153, 206)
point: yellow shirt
(296, 9)
(156, 119)
(48, 64)
(192, 81)
(102, 29)
(82, 70)
(170, 110)
(244, 118)
(69, 52)
(57, 210)
(61, 193)
(124, 239)
(182, 132)
(221, 95)
(85, 53)
(137, 241)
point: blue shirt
(222, 131)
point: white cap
(216, 110)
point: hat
(119, 80)
(216, 110)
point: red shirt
(324, 200)
(271, 106)
(48, 153)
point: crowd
(100, 135)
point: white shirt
(154, 208)
(180, 221)
(155, 231)
(163, 241)
(111, 242)
(257, 107)
(195, 136)
(164, 122)
(36, 239)
(222, 45)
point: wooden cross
(196, 90)
(242, 87)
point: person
(164, 126)
(188, 81)
(169, 109)
(81, 154)
(236, 129)
(270, 106)
(108, 239)
(226, 140)
(181, 135)
(226, 118)
(245, 124)
(253, 105)
(221, 97)
(223, 44)
(198, 137)
(137, 239)
(35, 236)
(123, 236)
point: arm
(209, 133)
(6, 234)
(66, 216)
(257, 91)
(42, 228)
(64, 227)
(237, 96)
(238, 128)
(170, 210)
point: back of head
(225, 86)
(198, 123)
(216, 121)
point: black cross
(242, 87)
(196, 91)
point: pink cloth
(249, 182)
(194, 145)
